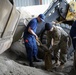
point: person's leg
(35, 48)
(29, 51)
(56, 48)
(29, 55)
(63, 59)
(74, 43)
(63, 55)
(56, 55)
(35, 51)
(64, 50)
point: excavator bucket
(9, 18)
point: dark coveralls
(30, 41)
(73, 34)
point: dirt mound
(10, 67)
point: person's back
(63, 33)
(57, 34)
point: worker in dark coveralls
(73, 34)
(30, 39)
(58, 39)
(73, 37)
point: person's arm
(32, 32)
(51, 45)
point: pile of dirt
(10, 67)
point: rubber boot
(31, 64)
